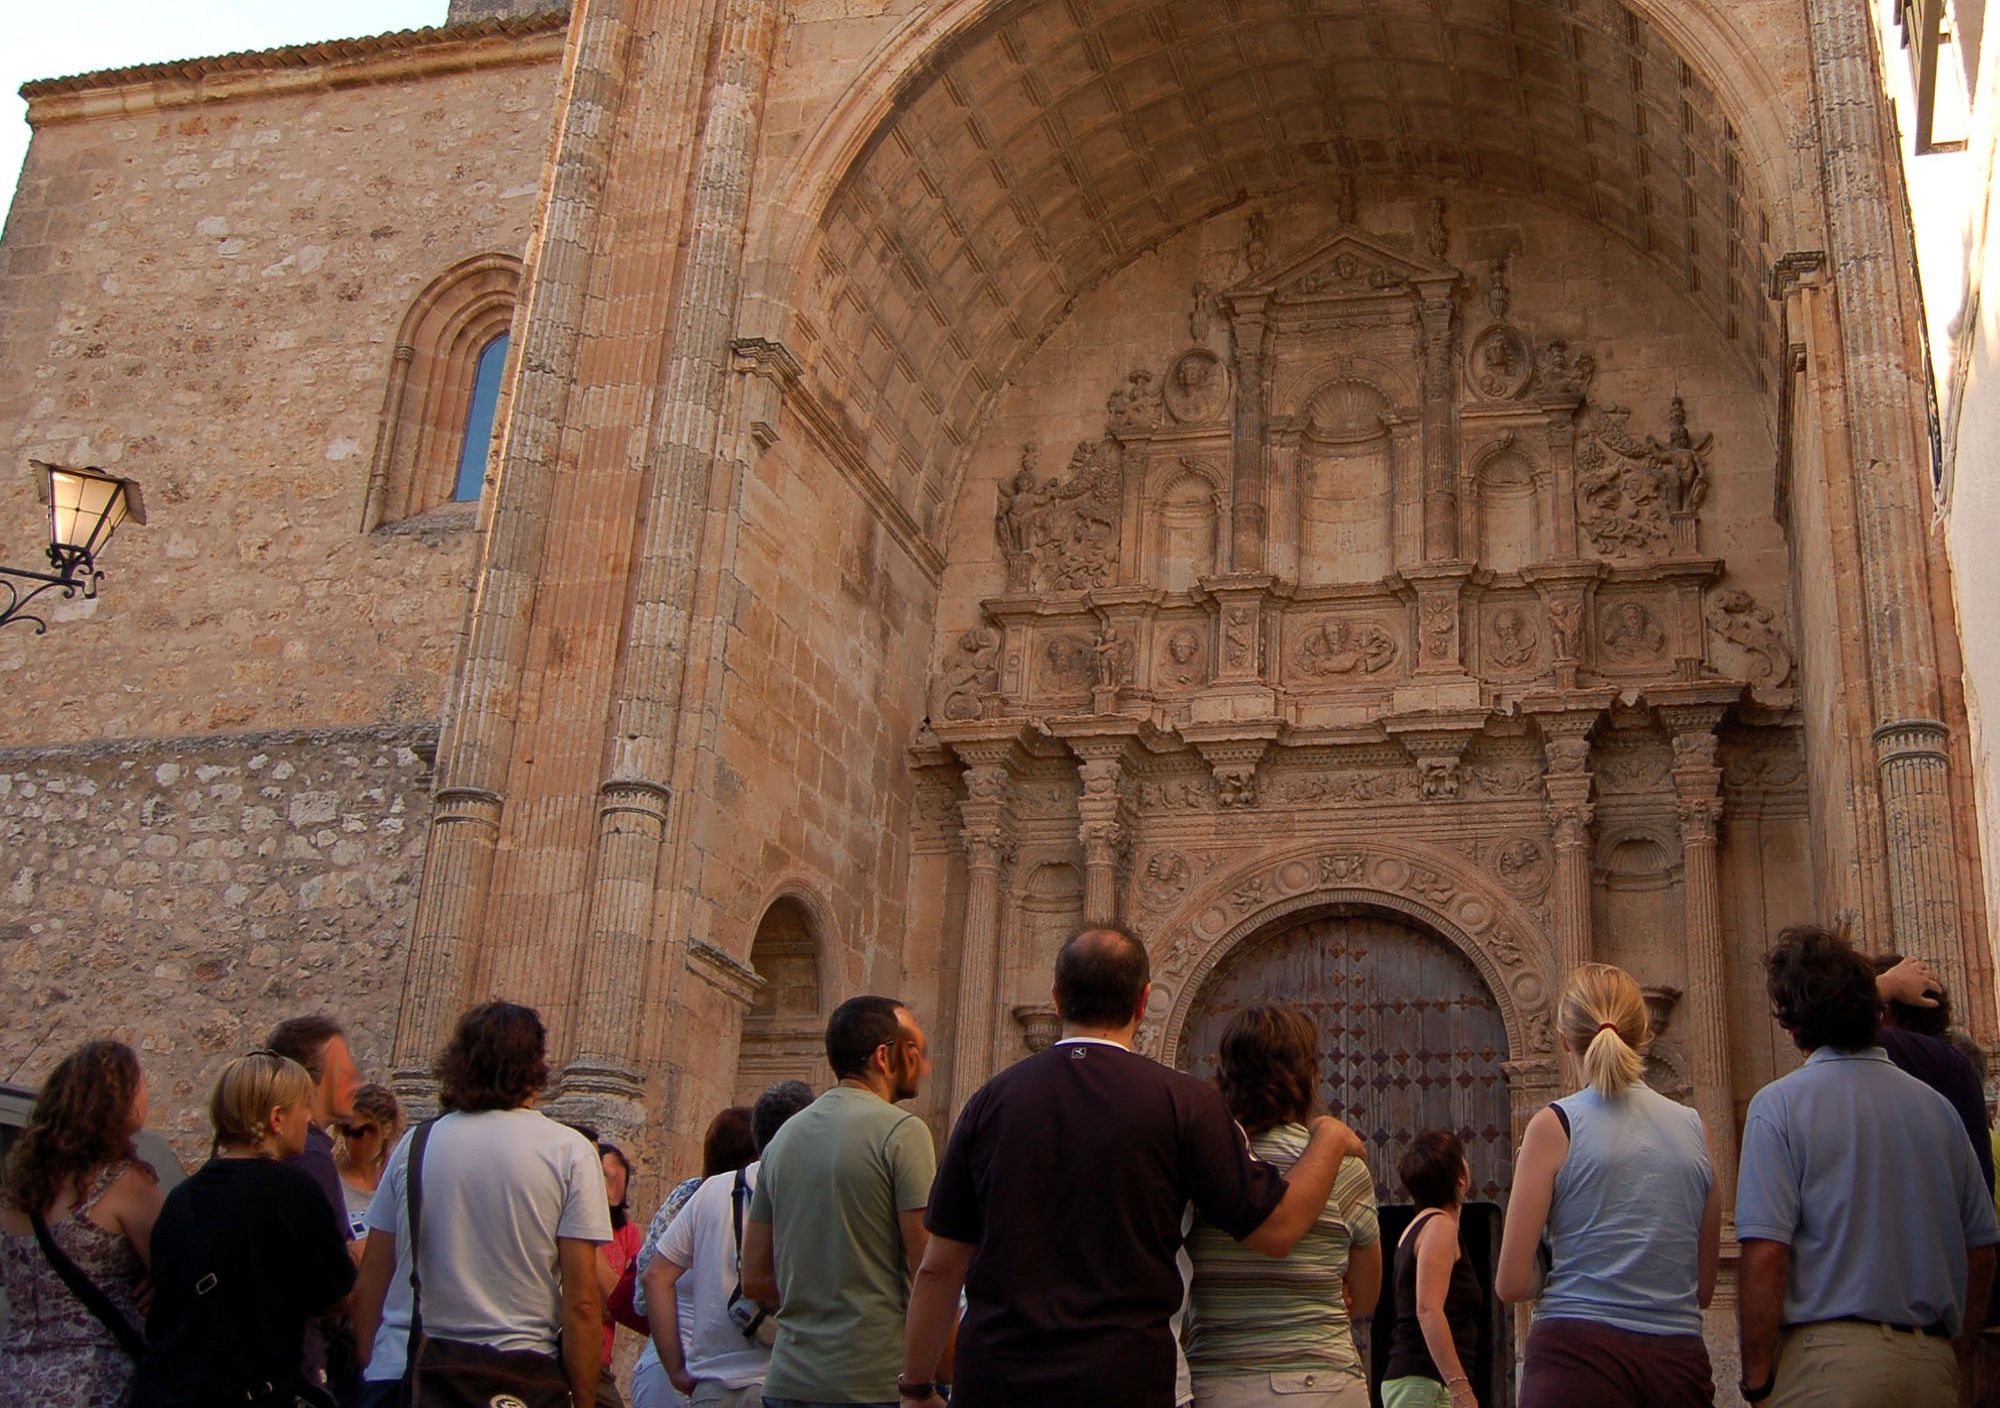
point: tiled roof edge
(300, 56)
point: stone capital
(1570, 821)
(989, 842)
(1699, 818)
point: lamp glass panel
(84, 508)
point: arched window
(443, 397)
(479, 422)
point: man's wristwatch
(1761, 1391)
(925, 1391)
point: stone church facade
(1391, 501)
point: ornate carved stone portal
(1389, 564)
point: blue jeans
(770, 1402)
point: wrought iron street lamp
(85, 508)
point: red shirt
(619, 1251)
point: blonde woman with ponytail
(243, 1252)
(1616, 1178)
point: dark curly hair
(81, 1122)
(1267, 1066)
(497, 1059)
(1822, 991)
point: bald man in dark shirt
(1058, 1207)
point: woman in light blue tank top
(1616, 1178)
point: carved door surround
(1441, 890)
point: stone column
(634, 796)
(1883, 408)
(1566, 748)
(475, 746)
(1438, 320)
(1698, 799)
(1247, 513)
(987, 832)
(1104, 824)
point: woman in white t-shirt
(513, 1211)
(709, 1342)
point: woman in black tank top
(1438, 1299)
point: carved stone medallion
(1183, 663)
(1630, 634)
(1068, 663)
(1197, 389)
(1523, 867)
(1499, 364)
(1512, 642)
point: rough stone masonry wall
(185, 894)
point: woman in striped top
(1277, 1332)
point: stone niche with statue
(1362, 546)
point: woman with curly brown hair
(75, 1171)
(1262, 1331)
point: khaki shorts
(1844, 1364)
(1317, 1388)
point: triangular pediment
(1349, 263)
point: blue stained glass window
(479, 422)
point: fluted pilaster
(480, 707)
(1698, 807)
(1883, 373)
(987, 832)
(646, 712)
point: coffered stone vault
(1050, 143)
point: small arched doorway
(1410, 1039)
(783, 1032)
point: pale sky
(56, 38)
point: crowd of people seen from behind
(1099, 1229)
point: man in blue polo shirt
(1867, 1233)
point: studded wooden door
(1410, 1038)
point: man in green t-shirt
(836, 1226)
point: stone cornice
(735, 980)
(338, 63)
